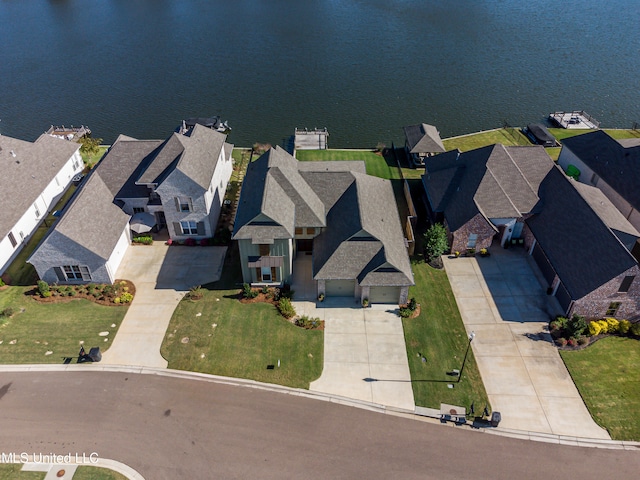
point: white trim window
(189, 228)
(473, 238)
(76, 272)
(266, 274)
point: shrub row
(144, 239)
(308, 323)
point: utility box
(495, 419)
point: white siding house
(34, 177)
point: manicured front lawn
(245, 339)
(438, 334)
(505, 136)
(606, 374)
(13, 471)
(85, 472)
(38, 328)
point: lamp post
(472, 335)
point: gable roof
(496, 181)
(362, 230)
(423, 138)
(25, 176)
(612, 162)
(584, 252)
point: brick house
(577, 237)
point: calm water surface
(362, 68)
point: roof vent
(13, 154)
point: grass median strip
(606, 375)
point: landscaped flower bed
(576, 332)
(120, 293)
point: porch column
(364, 293)
(321, 287)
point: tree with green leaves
(435, 241)
(90, 146)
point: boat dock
(315, 139)
(68, 133)
(575, 119)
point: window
(35, 207)
(184, 204)
(138, 210)
(299, 230)
(76, 272)
(473, 238)
(626, 284)
(76, 163)
(189, 228)
(266, 274)
(613, 309)
(264, 250)
(12, 239)
(311, 231)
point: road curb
(362, 404)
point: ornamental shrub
(412, 305)
(285, 308)
(624, 326)
(576, 326)
(405, 312)
(635, 329)
(126, 297)
(116, 300)
(435, 241)
(248, 292)
(594, 328)
(572, 342)
(561, 342)
(582, 341)
(604, 326)
(43, 287)
(613, 325)
(2, 284)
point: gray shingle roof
(423, 138)
(363, 230)
(92, 220)
(583, 251)
(616, 165)
(497, 181)
(25, 176)
(200, 157)
(164, 157)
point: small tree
(435, 241)
(90, 146)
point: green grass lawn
(377, 165)
(20, 272)
(439, 335)
(12, 471)
(91, 160)
(59, 328)
(562, 133)
(246, 338)
(505, 136)
(606, 374)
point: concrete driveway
(364, 352)
(501, 300)
(162, 275)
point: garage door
(340, 288)
(384, 295)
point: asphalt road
(170, 428)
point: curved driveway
(169, 428)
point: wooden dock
(315, 139)
(68, 133)
(575, 119)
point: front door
(161, 221)
(305, 244)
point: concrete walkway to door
(162, 275)
(501, 300)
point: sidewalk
(66, 471)
(162, 276)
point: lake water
(362, 68)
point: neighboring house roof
(423, 138)
(612, 162)
(123, 164)
(606, 210)
(25, 176)
(583, 251)
(496, 181)
(362, 231)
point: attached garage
(384, 295)
(340, 288)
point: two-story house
(181, 181)
(345, 219)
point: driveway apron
(162, 275)
(364, 352)
(502, 301)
